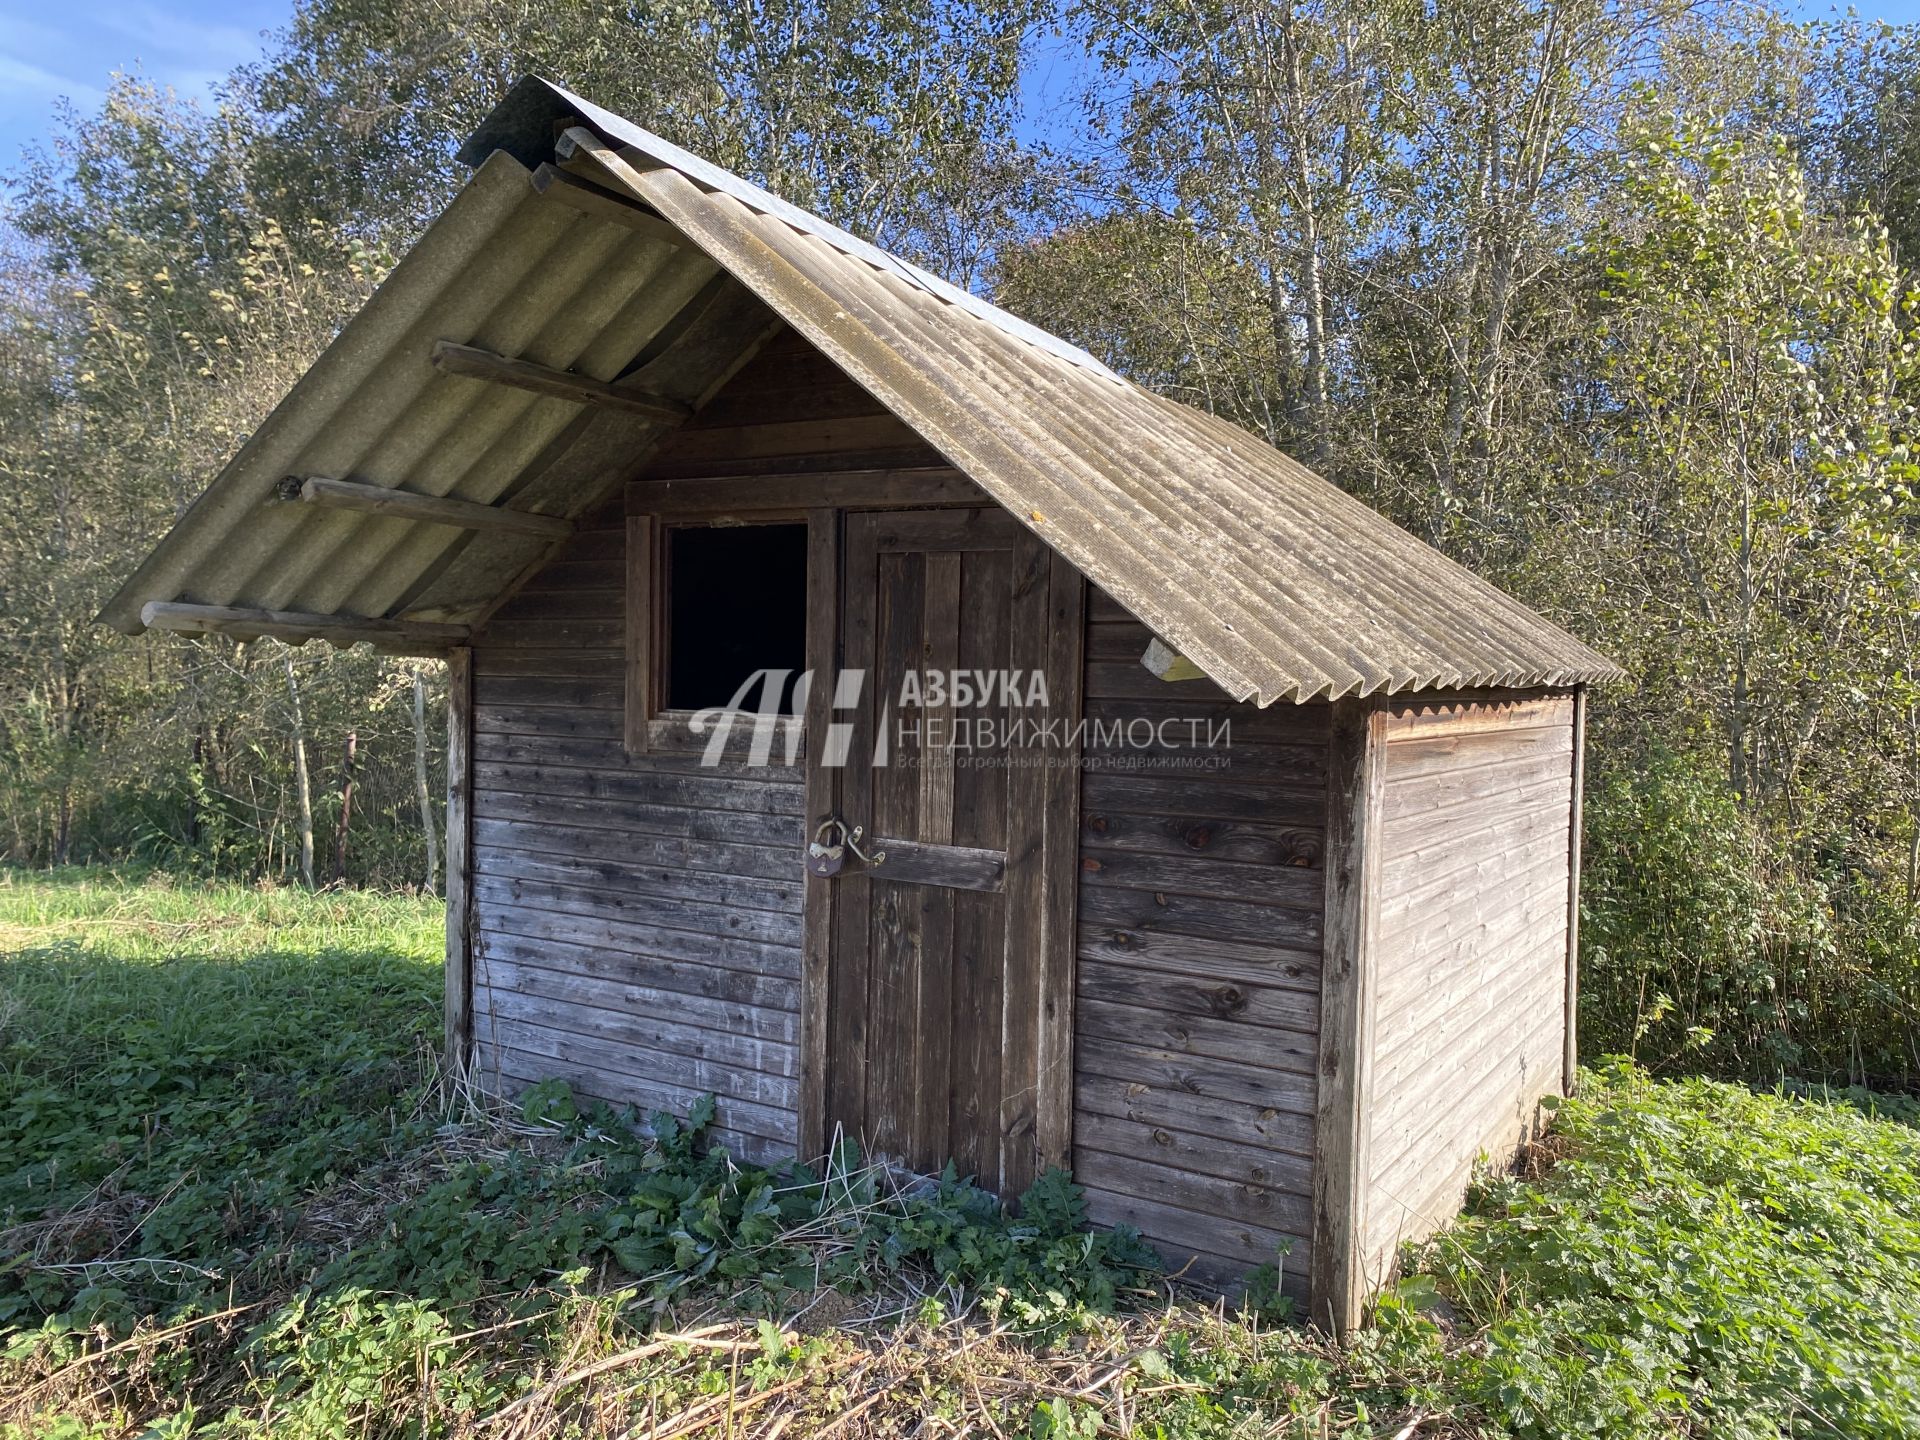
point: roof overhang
(535, 346)
(602, 312)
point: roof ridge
(712, 177)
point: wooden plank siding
(1197, 990)
(639, 919)
(638, 923)
(636, 916)
(790, 410)
(1470, 950)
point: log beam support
(590, 199)
(1342, 1162)
(1570, 1065)
(796, 494)
(400, 637)
(433, 509)
(477, 364)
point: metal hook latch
(831, 841)
(879, 857)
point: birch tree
(1755, 457)
(423, 794)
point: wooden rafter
(589, 199)
(478, 364)
(406, 637)
(578, 146)
(434, 509)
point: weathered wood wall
(1198, 986)
(637, 918)
(1469, 949)
(789, 409)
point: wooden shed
(1230, 833)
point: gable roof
(1274, 582)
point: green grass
(236, 1199)
(181, 1067)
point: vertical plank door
(949, 1005)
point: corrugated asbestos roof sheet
(508, 270)
(533, 100)
(1270, 579)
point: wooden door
(950, 976)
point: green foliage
(675, 1213)
(155, 307)
(1773, 465)
(1063, 1420)
(1751, 504)
(495, 1225)
(877, 116)
(1692, 952)
(1262, 1295)
(1698, 1258)
(1709, 944)
(1166, 304)
(1701, 1257)
(181, 1073)
(331, 1366)
(180, 1069)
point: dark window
(736, 604)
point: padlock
(825, 856)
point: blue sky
(50, 49)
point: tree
(1163, 303)
(172, 270)
(1264, 125)
(870, 114)
(1867, 129)
(302, 785)
(1753, 450)
(423, 792)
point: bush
(1701, 945)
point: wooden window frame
(640, 611)
(652, 726)
(816, 500)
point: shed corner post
(1356, 775)
(459, 1005)
(1570, 1066)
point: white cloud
(213, 47)
(29, 80)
